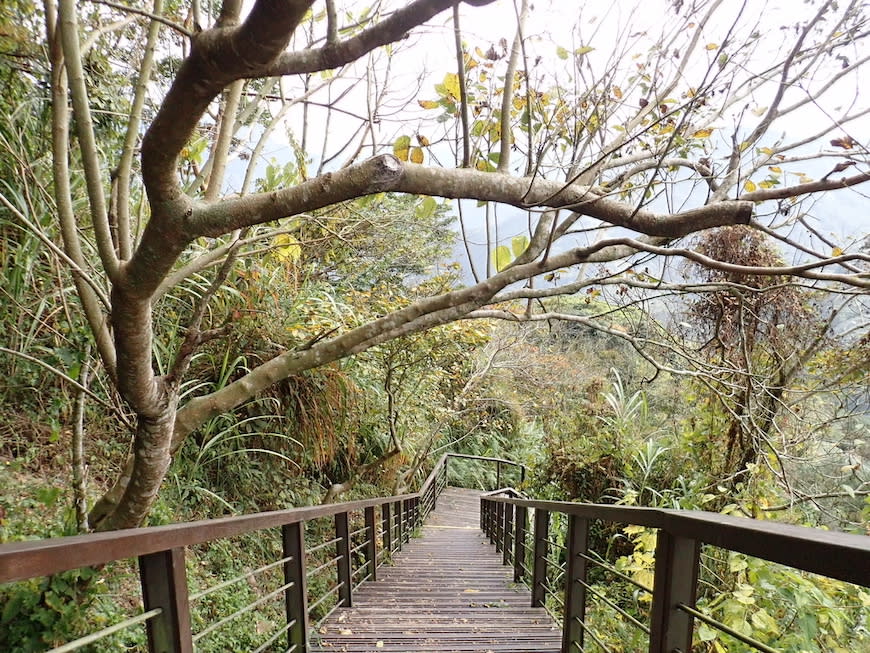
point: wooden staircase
(446, 591)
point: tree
(759, 344)
(634, 137)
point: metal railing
(547, 542)
(346, 541)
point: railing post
(539, 565)
(296, 596)
(497, 535)
(676, 581)
(575, 588)
(342, 552)
(387, 526)
(446, 460)
(371, 547)
(399, 518)
(483, 508)
(520, 524)
(164, 586)
(522, 474)
(497, 475)
(507, 532)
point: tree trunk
(127, 504)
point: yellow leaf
(471, 591)
(288, 247)
(759, 111)
(451, 84)
(416, 155)
(422, 140)
(712, 46)
(428, 104)
(804, 179)
(379, 643)
(617, 92)
(703, 133)
(766, 150)
(775, 169)
(837, 251)
(749, 186)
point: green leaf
(503, 257)
(402, 147)
(586, 49)
(426, 208)
(519, 244)
(562, 53)
(706, 633)
(12, 608)
(763, 621)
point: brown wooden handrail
(22, 560)
(504, 518)
(843, 556)
(29, 559)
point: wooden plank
(447, 591)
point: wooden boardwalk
(446, 591)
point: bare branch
(153, 15)
(508, 92)
(333, 56)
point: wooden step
(447, 592)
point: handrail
(835, 554)
(160, 551)
(505, 519)
(27, 559)
(22, 560)
(498, 461)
